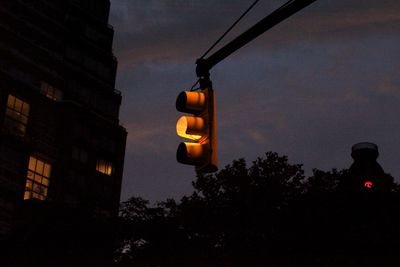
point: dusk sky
(311, 87)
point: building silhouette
(60, 138)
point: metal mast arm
(205, 65)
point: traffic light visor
(191, 102)
(191, 153)
(190, 127)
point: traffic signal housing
(366, 173)
(200, 128)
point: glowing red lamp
(368, 184)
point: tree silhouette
(51, 234)
(266, 214)
(240, 206)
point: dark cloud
(310, 88)
(174, 31)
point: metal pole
(205, 65)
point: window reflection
(104, 167)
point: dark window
(79, 154)
(51, 91)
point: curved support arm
(204, 65)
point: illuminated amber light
(37, 179)
(199, 126)
(190, 127)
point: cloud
(310, 88)
(148, 137)
(256, 136)
(388, 89)
(178, 31)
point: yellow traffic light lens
(190, 127)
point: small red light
(368, 184)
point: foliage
(266, 213)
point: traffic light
(199, 127)
(365, 173)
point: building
(60, 137)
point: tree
(267, 213)
(231, 215)
(242, 206)
(149, 235)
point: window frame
(51, 92)
(37, 179)
(16, 116)
(79, 154)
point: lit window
(17, 113)
(51, 92)
(37, 179)
(104, 167)
(79, 154)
